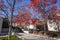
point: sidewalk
(25, 36)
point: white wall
(52, 26)
(59, 26)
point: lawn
(12, 38)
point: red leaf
(54, 1)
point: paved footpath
(25, 36)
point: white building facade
(53, 26)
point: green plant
(12, 38)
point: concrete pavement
(25, 36)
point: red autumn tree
(43, 7)
(24, 17)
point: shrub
(52, 34)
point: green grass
(12, 38)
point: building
(1, 21)
(53, 25)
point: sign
(52, 26)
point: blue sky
(27, 2)
(58, 1)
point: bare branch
(9, 3)
(4, 12)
